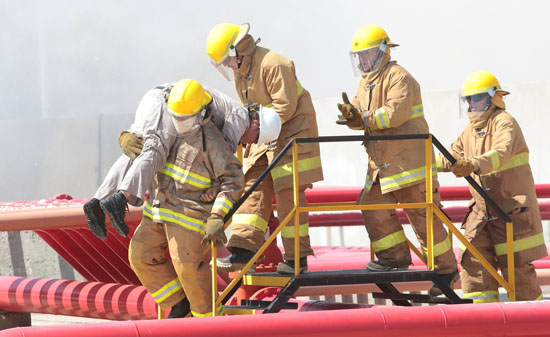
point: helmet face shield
(224, 69)
(475, 104)
(367, 60)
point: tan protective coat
(153, 121)
(267, 78)
(391, 104)
(176, 219)
(495, 141)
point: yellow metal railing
(429, 205)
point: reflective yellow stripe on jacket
(383, 120)
(303, 165)
(219, 312)
(185, 176)
(440, 248)
(389, 241)
(483, 296)
(159, 214)
(405, 178)
(251, 220)
(167, 290)
(517, 160)
(222, 204)
(521, 244)
(368, 183)
(300, 91)
(288, 231)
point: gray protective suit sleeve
(158, 135)
(229, 117)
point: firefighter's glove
(350, 115)
(214, 231)
(130, 143)
(463, 168)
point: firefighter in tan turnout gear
(174, 216)
(388, 102)
(264, 77)
(492, 147)
(146, 146)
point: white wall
(66, 66)
(72, 73)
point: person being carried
(176, 219)
(145, 147)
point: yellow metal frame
(429, 205)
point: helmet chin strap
(233, 53)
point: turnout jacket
(195, 163)
(391, 104)
(494, 139)
(267, 78)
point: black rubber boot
(449, 279)
(287, 267)
(236, 261)
(180, 309)
(115, 206)
(96, 218)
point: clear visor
(223, 66)
(366, 61)
(224, 69)
(474, 105)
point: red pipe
(76, 298)
(320, 194)
(494, 319)
(26, 215)
(456, 213)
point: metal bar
(359, 276)
(160, 312)
(429, 206)
(264, 304)
(282, 298)
(510, 253)
(229, 294)
(256, 183)
(400, 296)
(473, 250)
(296, 193)
(214, 279)
(473, 183)
(316, 208)
(272, 237)
(333, 139)
(390, 289)
(447, 291)
(414, 249)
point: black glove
(350, 115)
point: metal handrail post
(510, 254)
(296, 191)
(214, 279)
(429, 206)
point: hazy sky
(71, 58)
